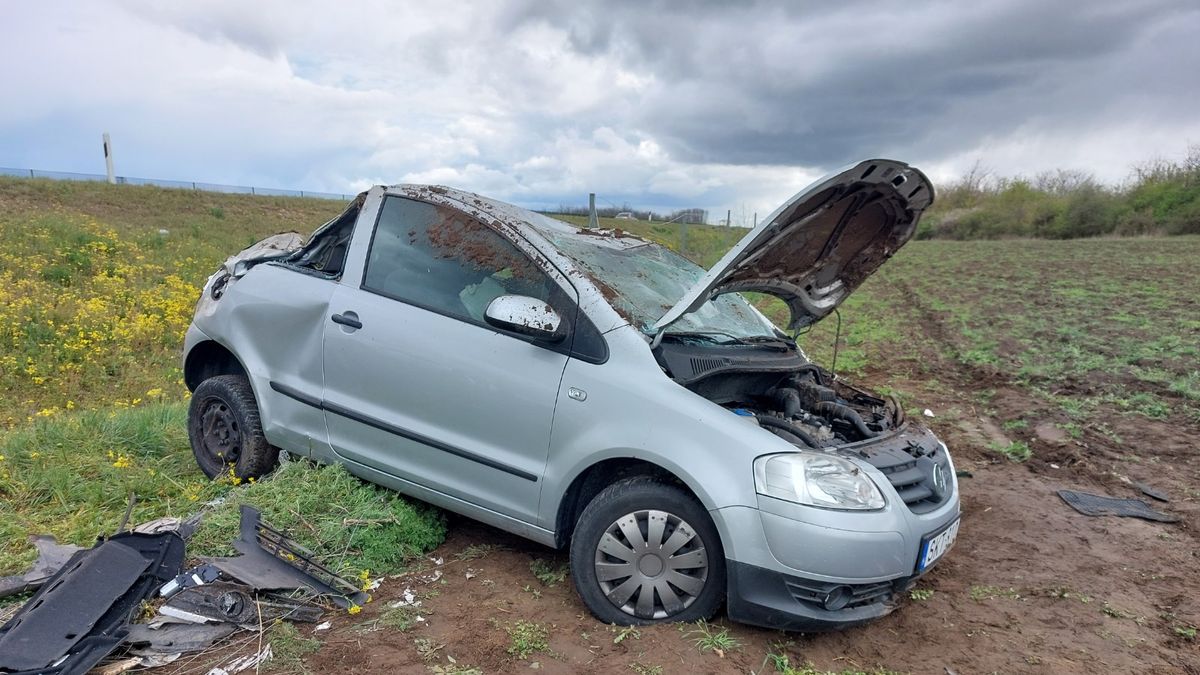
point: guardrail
(173, 184)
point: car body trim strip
(398, 431)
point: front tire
(225, 430)
(644, 552)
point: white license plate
(935, 546)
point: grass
(94, 300)
(709, 638)
(70, 476)
(1015, 451)
(526, 638)
(783, 666)
(288, 648)
(548, 572)
(982, 593)
(920, 594)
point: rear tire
(225, 430)
(645, 552)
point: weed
(921, 594)
(708, 638)
(288, 647)
(526, 638)
(427, 649)
(1186, 632)
(981, 593)
(399, 618)
(329, 511)
(1015, 425)
(1016, 451)
(624, 633)
(476, 551)
(548, 572)
(782, 665)
(642, 669)
(217, 212)
(535, 592)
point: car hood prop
(821, 244)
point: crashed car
(595, 391)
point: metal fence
(174, 184)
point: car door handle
(348, 319)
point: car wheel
(225, 430)
(645, 551)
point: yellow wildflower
(354, 609)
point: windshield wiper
(768, 341)
(707, 336)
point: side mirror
(526, 316)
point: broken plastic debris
(928, 413)
(244, 663)
(325, 625)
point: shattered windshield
(643, 280)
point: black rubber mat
(1097, 505)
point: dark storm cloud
(757, 83)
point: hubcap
(220, 434)
(651, 564)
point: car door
(418, 386)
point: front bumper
(784, 560)
(771, 599)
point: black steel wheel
(225, 430)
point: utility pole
(756, 219)
(728, 215)
(593, 220)
(108, 163)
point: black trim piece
(297, 395)
(399, 431)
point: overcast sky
(659, 104)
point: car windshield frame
(642, 280)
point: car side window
(442, 260)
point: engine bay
(775, 387)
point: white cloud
(540, 103)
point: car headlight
(816, 479)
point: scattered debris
(175, 638)
(89, 597)
(1152, 492)
(51, 557)
(244, 663)
(81, 614)
(197, 576)
(269, 561)
(1097, 505)
(927, 413)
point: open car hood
(817, 247)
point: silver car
(594, 391)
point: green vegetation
(782, 665)
(981, 593)
(1016, 451)
(920, 594)
(1162, 198)
(709, 638)
(94, 297)
(288, 648)
(364, 529)
(526, 638)
(548, 572)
